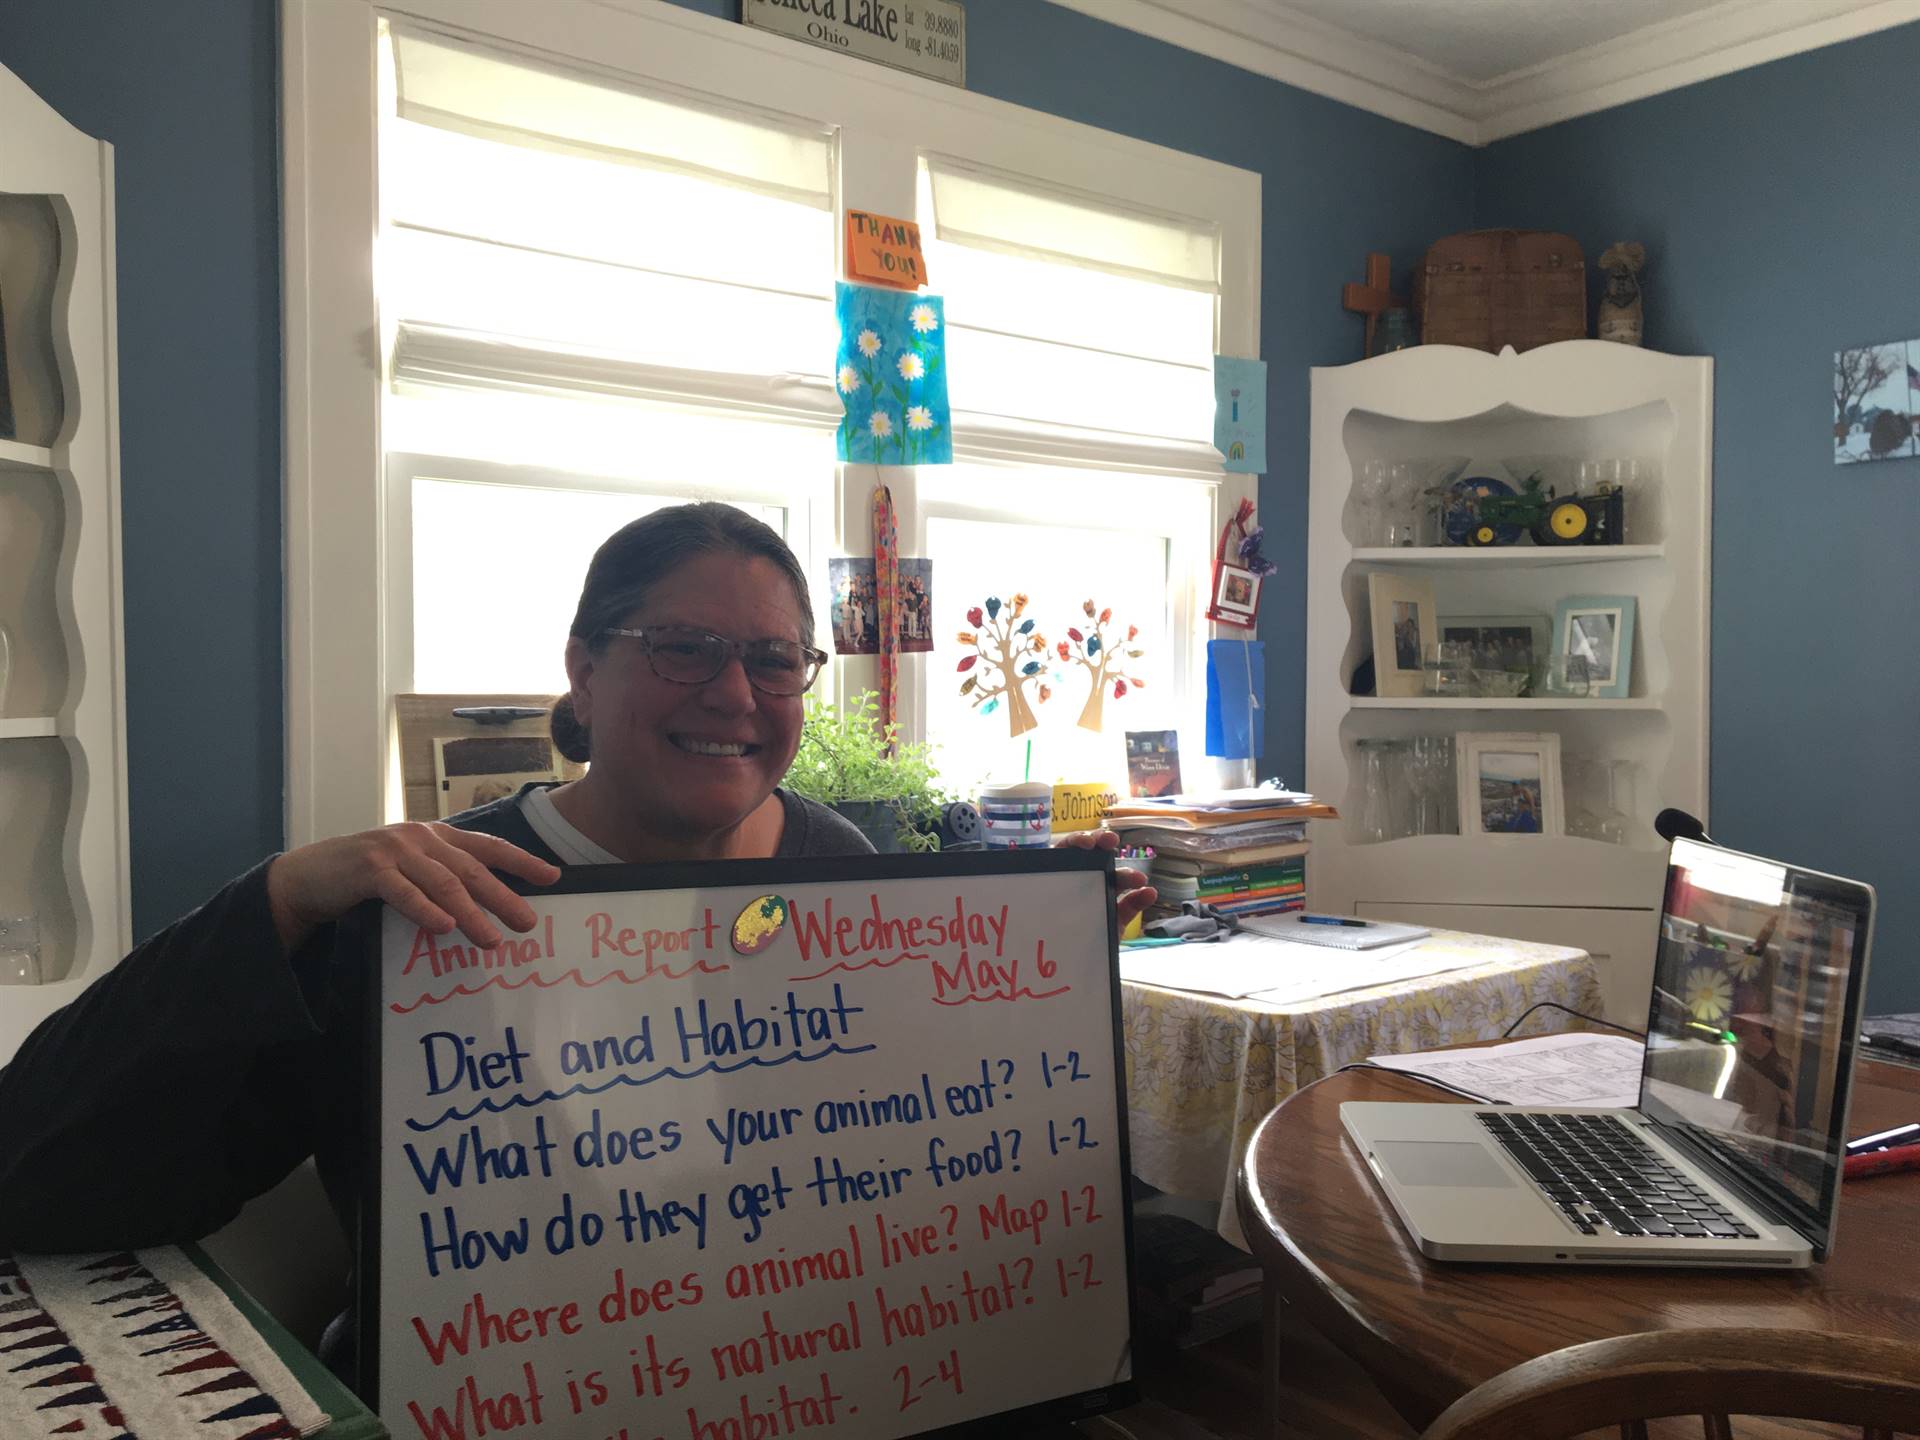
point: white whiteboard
(633, 1184)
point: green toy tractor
(1535, 510)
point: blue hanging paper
(1236, 695)
(1240, 414)
(891, 372)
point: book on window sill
(1204, 842)
(1232, 857)
(1211, 867)
(1259, 797)
(1178, 819)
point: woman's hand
(436, 875)
(1135, 893)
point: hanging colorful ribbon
(886, 586)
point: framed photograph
(475, 770)
(1236, 595)
(854, 606)
(1406, 629)
(1500, 642)
(1509, 783)
(1593, 635)
(854, 592)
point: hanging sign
(884, 251)
(928, 37)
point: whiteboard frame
(361, 945)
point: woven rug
(136, 1346)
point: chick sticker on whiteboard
(759, 925)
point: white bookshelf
(1581, 399)
(63, 803)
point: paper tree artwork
(1009, 656)
(891, 374)
(1108, 661)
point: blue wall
(187, 95)
(1780, 213)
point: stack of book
(1240, 852)
(1192, 1285)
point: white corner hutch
(63, 802)
(1581, 399)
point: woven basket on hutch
(1493, 288)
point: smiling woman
(686, 746)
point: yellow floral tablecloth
(1203, 1070)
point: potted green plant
(888, 788)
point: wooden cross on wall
(1374, 297)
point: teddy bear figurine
(1621, 314)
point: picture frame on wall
(1406, 630)
(1509, 783)
(1593, 637)
(1236, 596)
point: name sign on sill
(751, 1148)
(927, 37)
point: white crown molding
(1271, 39)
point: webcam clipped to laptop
(1733, 1155)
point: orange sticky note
(884, 251)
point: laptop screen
(1756, 1004)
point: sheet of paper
(1311, 972)
(1546, 1070)
(1233, 968)
(1279, 972)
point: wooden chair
(1714, 1374)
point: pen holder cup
(1016, 817)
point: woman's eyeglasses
(693, 657)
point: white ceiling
(1482, 40)
(1478, 70)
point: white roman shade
(1018, 216)
(544, 210)
(519, 101)
(1065, 310)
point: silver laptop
(1732, 1157)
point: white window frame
(340, 541)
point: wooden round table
(1427, 1333)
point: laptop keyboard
(1606, 1178)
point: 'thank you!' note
(752, 1150)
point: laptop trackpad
(1442, 1162)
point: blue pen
(1332, 920)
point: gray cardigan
(199, 1071)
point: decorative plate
(1461, 498)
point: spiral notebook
(1336, 932)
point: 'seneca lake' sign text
(928, 37)
(742, 1161)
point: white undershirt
(561, 836)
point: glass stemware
(1582, 781)
(1422, 767)
(1374, 823)
(1616, 821)
(19, 950)
(1373, 482)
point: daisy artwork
(891, 374)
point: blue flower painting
(891, 373)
